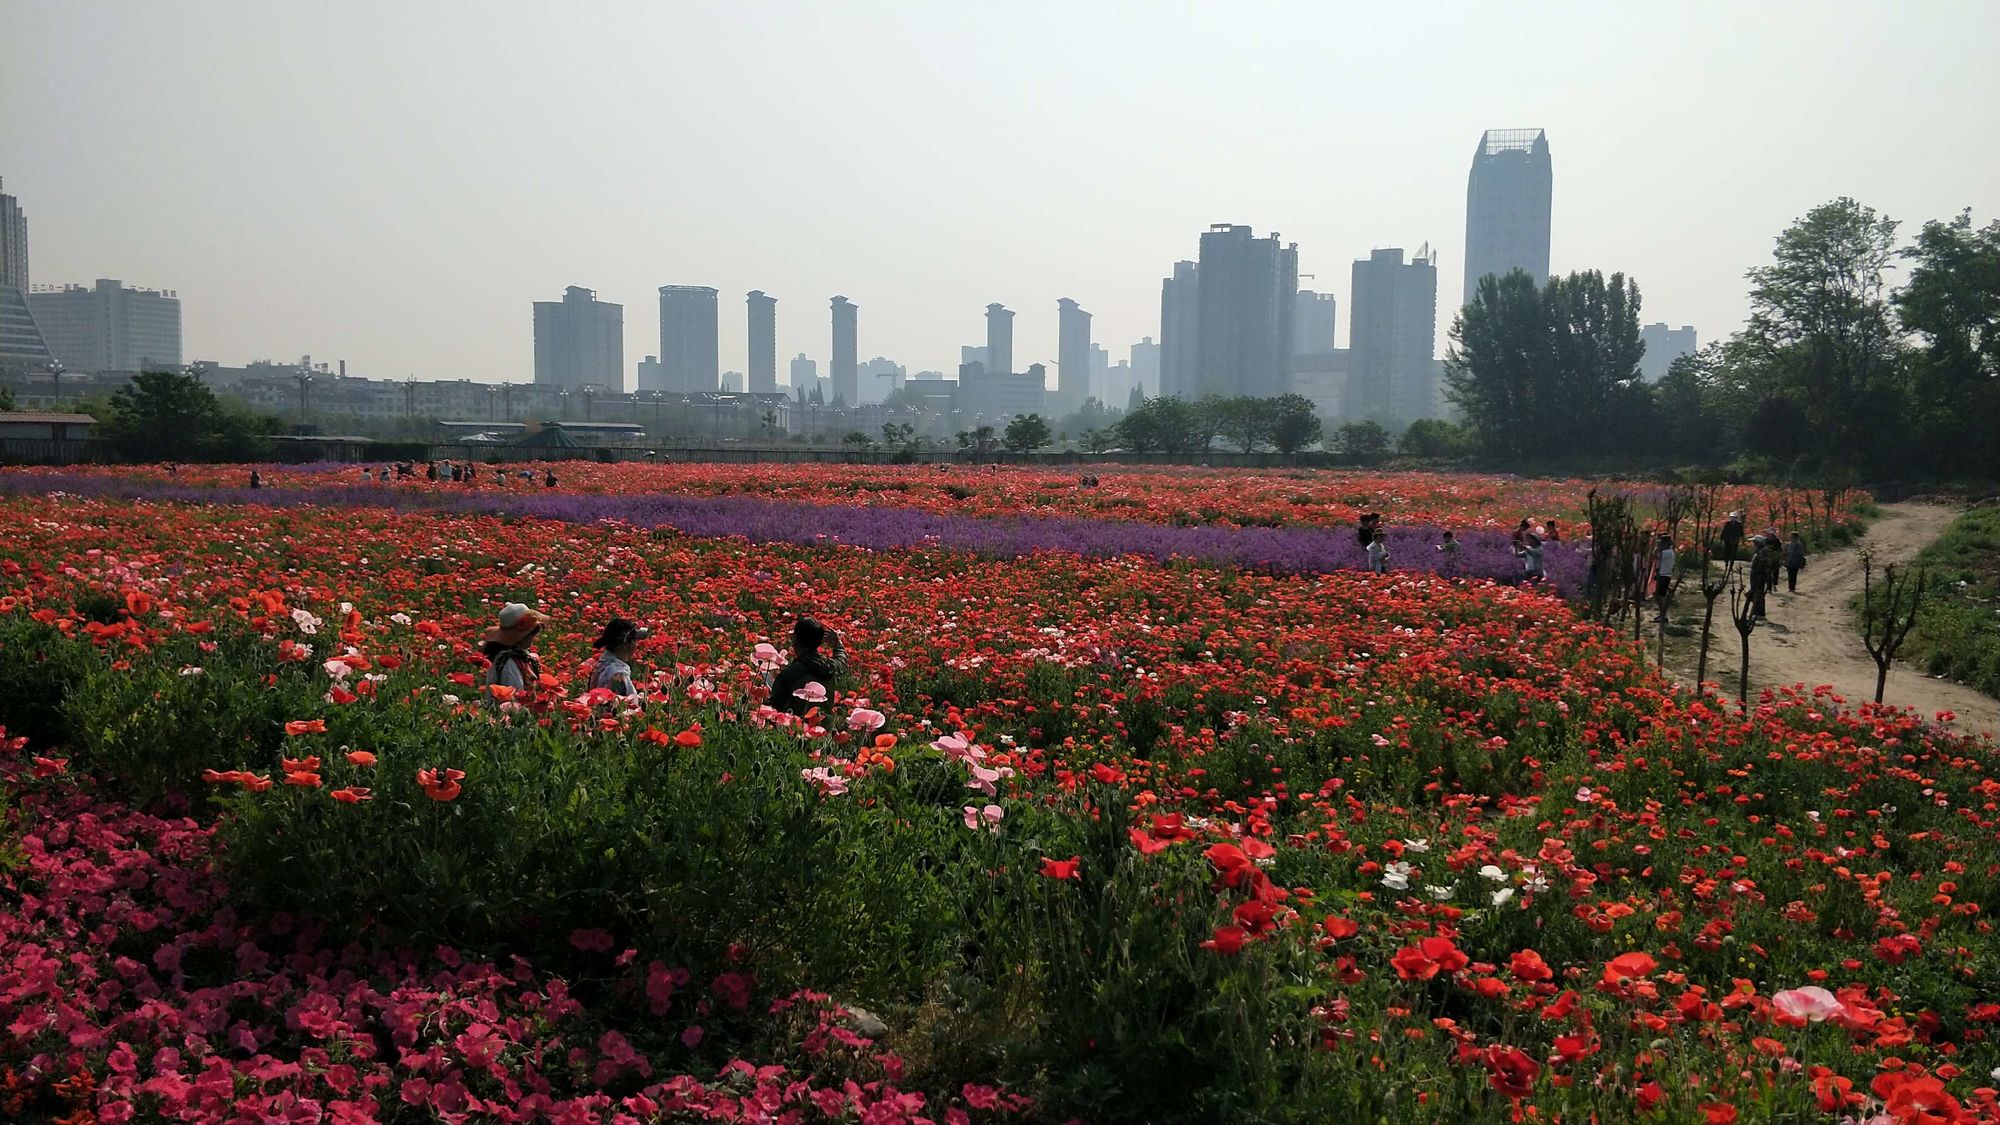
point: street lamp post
(194, 371)
(304, 378)
(55, 380)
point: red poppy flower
(1060, 868)
(305, 726)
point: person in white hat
(510, 662)
(1732, 535)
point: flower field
(1113, 829)
(1172, 496)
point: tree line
(1834, 372)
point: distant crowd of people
(1766, 555)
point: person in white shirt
(1663, 573)
(1378, 553)
(1531, 557)
(615, 645)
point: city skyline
(409, 239)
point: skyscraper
(999, 339)
(1246, 290)
(1179, 313)
(1313, 323)
(1072, 357)
(1663, 346)
(1145, 369)
(805, 372)
(109, 326)
(21, 345)
(688, 348)
(1392, 335)
(652, 376)
(844, 368)
(763, 342)
(13, 244)
(1507, 207)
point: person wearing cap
(807, 666)
(615, 646)
(510, 663)
(1732, 534)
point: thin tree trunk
(1881, 680)
(1743, 675)
(1701, 665)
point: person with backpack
(510, 663)
(807, 666)
(1795, 561)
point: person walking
(1795, 561)
(807, 666)
(510, 663)
(1732, 535)
(1663, 574)
(1763, 575)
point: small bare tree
(1740, 611)
(1706, 506)
(1886, 623)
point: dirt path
(1811, 637)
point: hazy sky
(394, 183)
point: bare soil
(1812, 637)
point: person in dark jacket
(1763, 574)
(1368, 525)
(1795, 561)
(808, 666)
(1732, 536)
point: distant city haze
(396, 185)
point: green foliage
(1958, 633)
(1294, 423)
(1435, 437)
(173, 416)
(1362, 441)
(1027, 433)
(1533, 367)
(6, 399)
(1165, 424)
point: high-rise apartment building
(13, 244)
(844, 368)
(1508, 203)
(1663, 346)
(999, 339)
(109, 327)
(763, 342)
(652, 375)
(688, 346)
(1392, 336)
(879, 378)
(1145, 369)
(1312, 323)
(580, 342)
(975, 353)
(1072, 357)
(1246, 290)
(1180, 304)
(21, 345)
(805, 372)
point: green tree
(1294, 423)
(896, 434)
(1497, 366)
(164, 415)
(1165, 424)
(6, 398)
(1245, 420)
(1820, 332)
(978, 441)
(1434, 437)
(1205, 420)
(1362, 441)
(858, 439)
(1027, 433)
(1952, 305)
(1100, 439)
